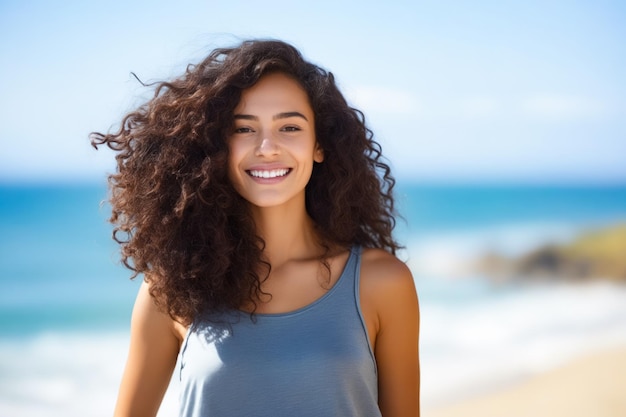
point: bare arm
(151, 359)
(393, 308)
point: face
(272, 147)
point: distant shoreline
(595, 254)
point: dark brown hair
(176, 215)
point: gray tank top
(314, 361)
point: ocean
(65, 301)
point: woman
(256, 205)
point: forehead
(275, 90)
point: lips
(268, 173)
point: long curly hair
(177, 217)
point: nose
(268, 146)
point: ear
(319, 153)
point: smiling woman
(273, 148)
(256, 205)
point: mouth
(266, 174)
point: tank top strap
(352, 282)
(348, 284)
(353, 269)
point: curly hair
(177, 217)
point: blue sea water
(440, 208)
(58, 267)
(65, 301)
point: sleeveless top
(314, 361)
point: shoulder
(152, 355)
(382, 271)
(390, 307)
(386, 286)
(149, 318)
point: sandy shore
(594, 385)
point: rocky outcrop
(599, 254)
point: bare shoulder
(148, 316)
(154, 345)
(383, 273)
(387, 289)
(390, 308)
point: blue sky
(456, 91)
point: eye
(243, 130)
(290, 129)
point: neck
(288, 234)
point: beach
(592, 385)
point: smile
(274, 173)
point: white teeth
(269, 174)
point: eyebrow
(284, 115)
